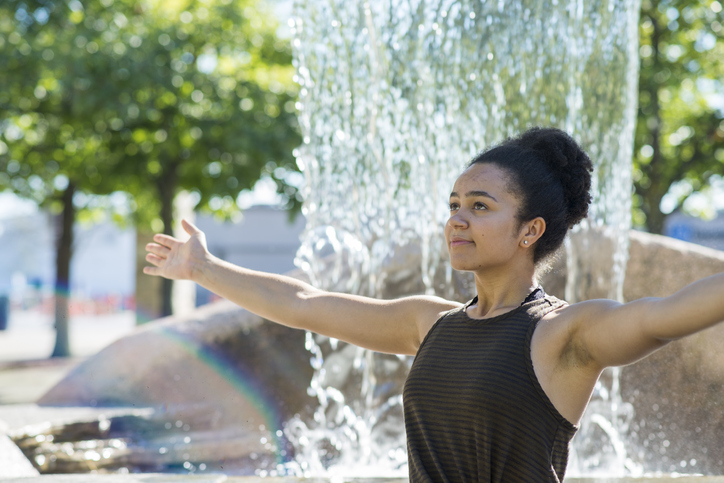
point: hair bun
(551, 177)
(568, 162)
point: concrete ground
(26, 372)
(30, 335)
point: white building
(103, 262)
(103, 266)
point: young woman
(498, 384)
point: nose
(457, 221)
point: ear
(531, 231)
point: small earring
(525, 242)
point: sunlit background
(140, 112)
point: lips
(457, 241)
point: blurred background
(119, 117)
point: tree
(142, 97)
(206, 105)
(679, 133)
(47, 155)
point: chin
(460, 267)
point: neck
(499, 293)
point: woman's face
(482, 231)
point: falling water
(396, 96)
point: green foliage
(679, 133)
(146, 97)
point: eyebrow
(470, 194)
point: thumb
(190, 228)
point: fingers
(154, 259)
(159, 250)
(166, 240)
(190, 228)
(152, 270)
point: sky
(12, 206)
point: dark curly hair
(551, 176)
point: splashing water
(396, 96)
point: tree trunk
(655, 218)
(62, 273)
(167, 190)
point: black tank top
(474, 410)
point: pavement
(30, 335)
(27, 372)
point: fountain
(396, 95)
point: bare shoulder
(434, 302)
(431, 306)
(559, 331)
(428, 309)
(576, 315)
(568, 334)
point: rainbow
(243, 382)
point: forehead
(483, 176)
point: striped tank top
(474, 410)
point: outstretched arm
(393, 326)
(615, 334)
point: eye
(479, 206)
(454, 206)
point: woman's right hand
(174, 259)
